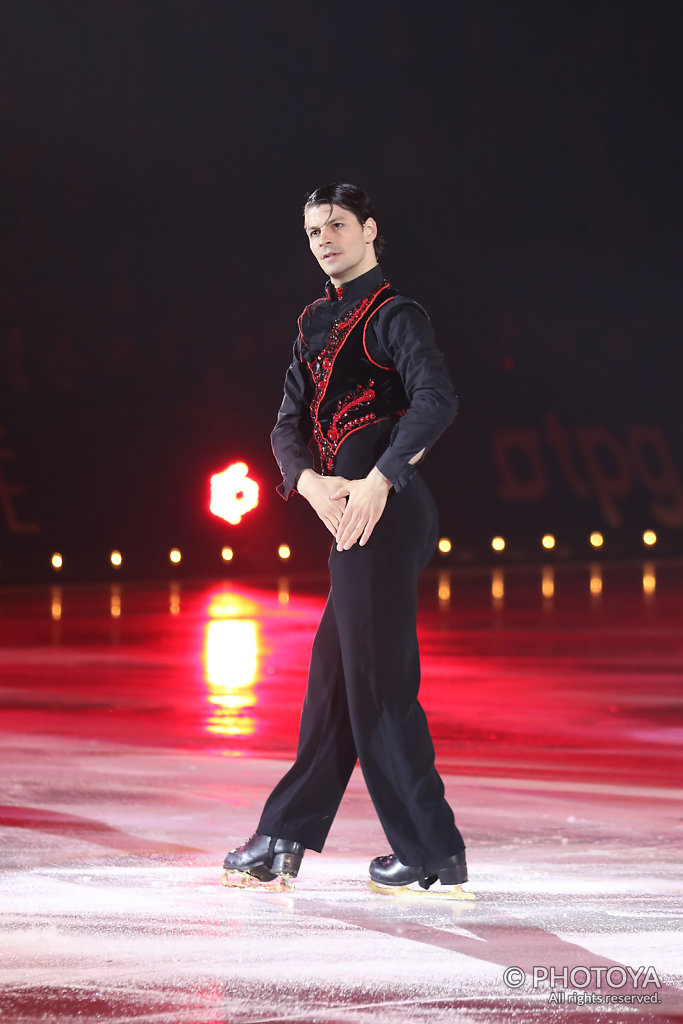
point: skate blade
(455, 892)
(243, 880)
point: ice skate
(263, 862)
(390, 877)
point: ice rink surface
(142, 728)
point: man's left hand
(367, 498)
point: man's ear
(370, 229)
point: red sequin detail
(321, 370)
(357, 397)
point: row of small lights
(174, 556)
(284, 551)
(548, 541)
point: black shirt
(402, 336)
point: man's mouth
(329, 255)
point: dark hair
(349, 197)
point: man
(365, 398)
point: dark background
(525, 161)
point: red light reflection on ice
(233, 493)
(230, 655)
(255, 649)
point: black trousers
(361, 702)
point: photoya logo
(607, 984)
(233, 494)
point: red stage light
(233, 494)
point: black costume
(367, 386)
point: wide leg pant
(361, 702)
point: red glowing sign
(233, 494)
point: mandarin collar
(356, 288)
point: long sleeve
(293, 429)
(406, 336)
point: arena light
(498, 544)
(597, 539)
(284, 551)
(227, 554)
(174, 556)
(548, 541)
(57, 561)
(116, 559)
(649, 538)
(445, 545)
(233, 493)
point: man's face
(340, 243)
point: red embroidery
(321, 371)
(341, 426)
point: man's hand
(367, 498)
(319, 493)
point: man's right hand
(316, 490)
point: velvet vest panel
(351, 391)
